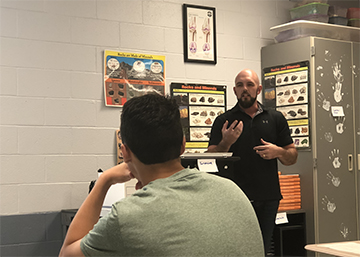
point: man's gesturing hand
(231, 134)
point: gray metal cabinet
(356, 83)
(329, 166)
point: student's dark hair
(151, 128)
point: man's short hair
(151, 128)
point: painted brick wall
(55, 130)
(31, 234)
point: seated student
(175, 211)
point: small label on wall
(207, 165)
(337, 111)
(281, 218)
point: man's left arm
(287, 155)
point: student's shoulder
(219, 181)
(132, 207)
(225, 189)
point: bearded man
(259, 137)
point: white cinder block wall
(55, 130)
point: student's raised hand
(118, 174)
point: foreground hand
(231, 134)
(118, 174)
(267, 150)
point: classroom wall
(55, 130)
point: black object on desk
(66, 218)
(225, 163)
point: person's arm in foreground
(287, 155)
(88, 214)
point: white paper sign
(207, 165)
(115, 193)
(281, 218)
(337, 111)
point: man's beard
(247, 103)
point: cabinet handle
(358, 161)
(350, 162)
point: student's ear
(126, 153)
(259, 89)
(182, 150)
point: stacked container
(314, 11)
(353, 14)
(337, 15)
(291, 192)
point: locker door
(334, 171)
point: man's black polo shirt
(258, 178)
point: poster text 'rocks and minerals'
(285, 88)
(127, 75)
(199, 105)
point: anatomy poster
(199, 105)
(199, 34)
(285, 89)
(127, 75)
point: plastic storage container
(303, 28)
(353, 13)
(338, 20)
(354, 23)
(303, 2)
(309, 9)
(315, 17)
(335, 11)
(295, 33)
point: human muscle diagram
(199, 44)
(199, 34)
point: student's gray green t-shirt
(190, 213)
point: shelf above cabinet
(302, 28)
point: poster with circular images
(199, 105)
(286, 89)
(127, 75)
